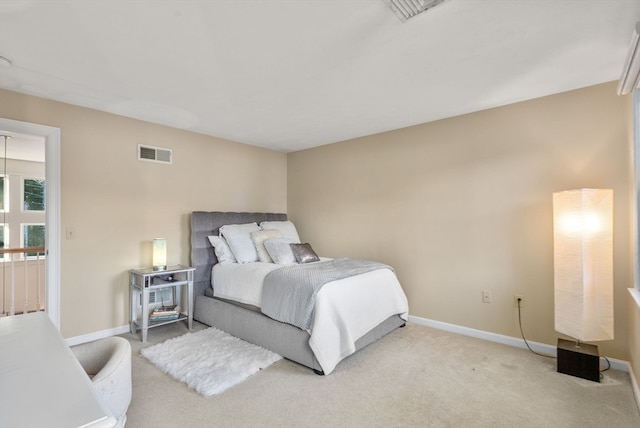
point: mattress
(240, 282)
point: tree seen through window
(34, 237)
(34, 194)
(1, 193)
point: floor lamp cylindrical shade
(583, 263)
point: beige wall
(463, 205)
(117, 204)
(457, 206)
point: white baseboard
(77, 340)
(634, 385)
(465, 331)
(505, 340)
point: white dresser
(42, 383)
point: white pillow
(222, 250)
(258, 239)
(287, 228)
(238, 237)
(280, 251)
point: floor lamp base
(578, 359)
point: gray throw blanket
(289, 293)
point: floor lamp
(583, 277)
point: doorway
(51, 138)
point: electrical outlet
(486, 296)
(515, 301)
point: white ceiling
(289, 75)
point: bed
(246, 321)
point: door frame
(635, 203)
(52, 208)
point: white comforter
(345, 310)
(240, 282)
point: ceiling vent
(406, 9)
(154, 154)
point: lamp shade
(159, 254)
(583, 263)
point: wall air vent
(406, 9)
(154, 154)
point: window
(4, 193)
(3, 238)
(33, 194)
(33, 236)
(24, 225)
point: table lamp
(159, 254)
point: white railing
(23, 280)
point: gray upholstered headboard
(204, 224)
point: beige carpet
(414, 377)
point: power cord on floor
(608, 366)
(549, 356)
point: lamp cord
(608, 366)
(551, 356)
(522, 334)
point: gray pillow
(304, 253)
(280, 251)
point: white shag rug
(209, 361)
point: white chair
(108, 364)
